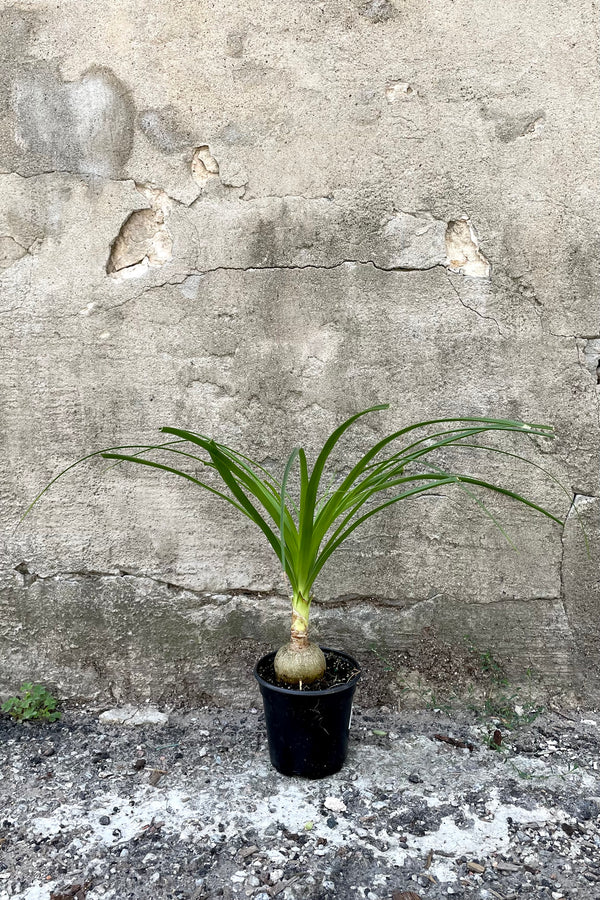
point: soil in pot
(307, 729)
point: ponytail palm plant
(304, 527)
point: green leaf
(400, 466)
(154, 465)
(286, 475)
(36, 704)
(307, 546)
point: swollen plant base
(307, 730)
(299, 662)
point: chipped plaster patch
(378, 11)
(398, 90)
(190, 287)
(463, 255)
(581, 503)
(204, 165)
(420, 241)
(144, 240)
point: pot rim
(294, 692)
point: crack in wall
(414, 242)
(28, 578)
(343, 601)
(142, 230)
(318, 267)
(470, 308)
(200, 273)
(87, 177)
(405, 605)
(407, 241)
(12, 250)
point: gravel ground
(192, 809)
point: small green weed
(502, 702)
(35, 704)
(572, 769)
(487, 663)
(502, 707)
(510, 710)
(387, 665)
(526, 776)
(437, 702)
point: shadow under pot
(307, 730)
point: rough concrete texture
(253, 224)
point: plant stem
(300, 611)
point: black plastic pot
(307, 730)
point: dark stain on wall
(83, 126)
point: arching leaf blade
(286, 475)
(156, 465)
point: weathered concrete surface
(193, 808)
(253, 224)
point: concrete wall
(252, 220)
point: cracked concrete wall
(253, 224)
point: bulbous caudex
(300, 661)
